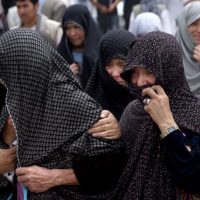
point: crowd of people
(96, 107)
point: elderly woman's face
(114, 68)
(194, 29)
(75, 34)
(141, 77)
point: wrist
(167, 124)
(169, 129)
(63, 177)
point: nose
(138, 79)
(72, 33)
(115, 73)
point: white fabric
(144, 23)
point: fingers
(149, 92)
(107, 135)
(158, 89)
(153, 91)
(105, 113)
(101, 122)
(12, 150)
(21, 171)
(100, 126)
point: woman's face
(114, 68)
(194, 29)
(141, 77)
(75, 34)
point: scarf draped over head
(189, 15)
(146, 175)
(101, 86)
(146, 22)
(80, 15)
(50, 111)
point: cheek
(191, 29)
(152, 79)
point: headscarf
(80, 15)
(101, 86)
(146, 22)
(50, 111)
(189, 14)
(146, 175)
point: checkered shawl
(146, 175)
(49, 109)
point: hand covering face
(146, 175)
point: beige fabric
(54, 9)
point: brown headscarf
(146, 175)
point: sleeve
(184, 164)
(99, 173)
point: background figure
(128, 6)
(188, 36)
(79, 43)
(1, 18)
(105, 84)
(54, 9)
(144, 23)
(156, 6)
(27, 12)
(107, 15)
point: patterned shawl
(50, 111)
(101, 86)
(146, 175)
(189, 14)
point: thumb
(104, 113)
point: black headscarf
(101, 86)
(80, 15)
(146, 175)
(50, 111)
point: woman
(154, 59)
(156, 6)
(79, 43)
(145, 23)
(105, 84)
(188, 37)
(50, 112)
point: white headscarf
(146, 22)
(190, 13)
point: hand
(103, 9)
(196, 54)
(8, 133)
(107, 127)
(75, 68)
(159, 108)
(111, 7)
(38, 179)
(7, 160)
